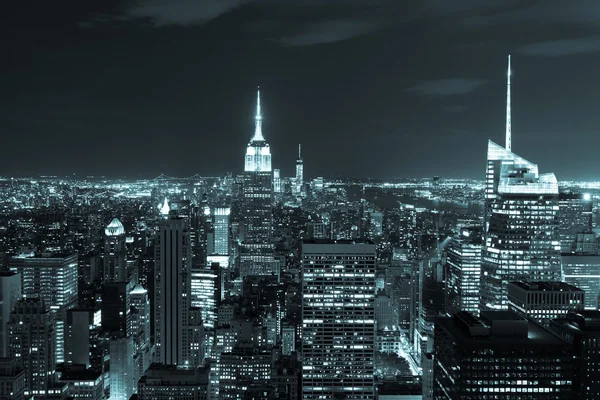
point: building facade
(338, 319)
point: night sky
(371, 88)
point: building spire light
(258, 119)
(508, 116)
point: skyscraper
(173, 259)
(115, 253)
(52, 277)
(10, 293)
(299, 173)
(499, 355)
(338, 319)
(463, 272)
(122, 369)
(31, 330)
(521, 238)
(140, 327)
(575, 216)
(582, 330)
(221, 231)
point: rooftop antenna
(508, 126)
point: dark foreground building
(582, 330)
(499, 355)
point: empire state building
(256, 253)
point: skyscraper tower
(52, 277)
(299, 172)
(256, 248)
(31, 343)
(338, 319)
(171, 297)
(521, 237)
(115, 253)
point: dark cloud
(562, 47)
(446, 87)
(182, 12)
(328, 32)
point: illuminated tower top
(508, 127)
(258, 153)
(258, 135)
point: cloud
(563, 47)
(328, 32)
(183, 12)
(446, 87)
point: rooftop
(115, 228)
(497, 329)
(545, 286)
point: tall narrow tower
(508, 127)
(299, 172)
(256, 249)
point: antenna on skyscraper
(299, 151)
(508, 127)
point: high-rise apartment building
(338, 319)
(52, 277)
(31, 330)
(10, 293)
(582, 330)
(544, 301)
(463, 271)
(172, 287)
(521, 239)
(115, 253)
(499, 355)
(256, 248)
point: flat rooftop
(546, 286)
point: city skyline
(341, 80)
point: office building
(583, 271)
(166, 382)
(242, 369)
(116, 307)
(52, 277)
(83, 383)
(499, 355)
(582, 330)
(12, 380)
(277, 184)
(82, 337)
(115, 253)
(10, 293)
(521, 240)
(206, 292)
(221, 231)
(338, 319)
(288, 339)
(544, 301)
(575, 216)
(140, 330)
(172, 291)
(463, 271)
(122, 369)
(31, 344)
(256, 248)
(375, 223)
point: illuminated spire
(299, 151)
(508, 127)
(258, 119)
(165, 209)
